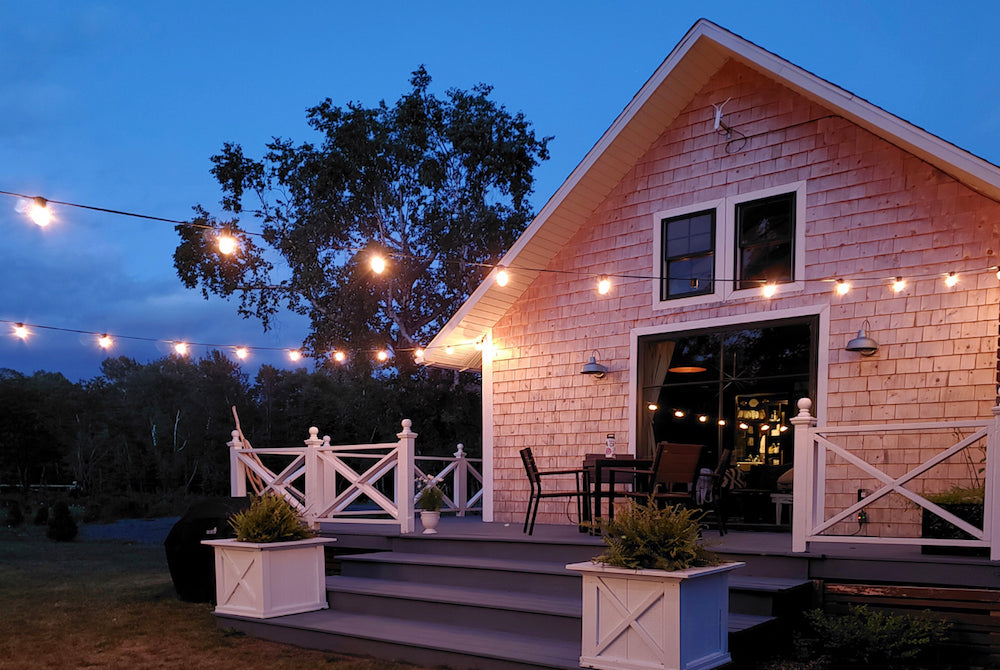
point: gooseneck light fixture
(863, 344)
(594, 368)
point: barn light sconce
(863, 344)
(593, 367)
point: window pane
(688, 254)
(771, 263)
(689, 235)
(680, 273)
(765, 231)
(764, 221)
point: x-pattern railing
(814, 445)
(458, 471)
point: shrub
(42, 515)
(62, 527)
(431, 498)
(865, 638)
(269, 519)
(643, 536)
(15, 516)
(959, 495)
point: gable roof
(702, 51)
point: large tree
(439, 186)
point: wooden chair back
(529, 467)
(678, 465)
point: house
(729, 206)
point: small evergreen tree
(62, 527)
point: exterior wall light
(863, 344)
(592, 367)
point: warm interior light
(842, 287)
(227, 244)
(679, 413)
(180, 348)
(242, 353)
(686, 369)
(764, 428)
(40, 212)
(378, 264)
(603, 285)
(502, 277)
(294, 354)
(898, 284)
(782, 429)
(20, 330)
(382, 355)
(104, 341)
(339, 356)
(652, 407)
(951, 279)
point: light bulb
(378, 264)
(382, 355)
(652, 407)
(104, 341)
(998, 272)
(603, 286)
(227, 244)
(744, 426)
(898, 284)
(40, 212)
(702, 418)
(20, 330)
(769, 290)
(339, 356)
(722, 422)
(242, 353)
(418, 354)
(679, 413)
(294, 354)
(951, 279)
(842, 287)
(180, 348)
(449, 350)
(502, 277)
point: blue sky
(120, 104)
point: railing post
(461, 480)
(314, 478)
(237, 471)
(991, 520)
(404, 477)
(805, 486)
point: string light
(898, 284)
(104, 341)
(951, 279)
(842, 287)
(679, 413)
(449, 350)
(419, 354)
(769, 290)
(21, 331)
(180, 348)
(382, 355)
(227, 244)
(294, 355)
(378, 264)
(40, 212)
(702, 418)
(242, 353)
(722, 422)
(502, 277)
(603, 285)
(652, 407)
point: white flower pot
(263, 580)
(653, 619)
(429, 520)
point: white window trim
(725, 247)
(822, 353)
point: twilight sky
(119, 104)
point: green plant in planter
(959, 495)
(431, 498)
(643, 536)
(269, 518)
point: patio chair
(535, 477)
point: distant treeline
(161, 427)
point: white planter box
(263, 580)
(652, 619)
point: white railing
(816, 447)
(363, 483)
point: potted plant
(965, 502)
(429, 502)
(656, 598)
(274, 566)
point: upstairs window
(765, 241)
(688, 255)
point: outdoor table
(624, 466)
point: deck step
(415, 641)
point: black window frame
(744, 282)
(666, 260)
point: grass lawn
(112, 605)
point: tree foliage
(439, 186)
